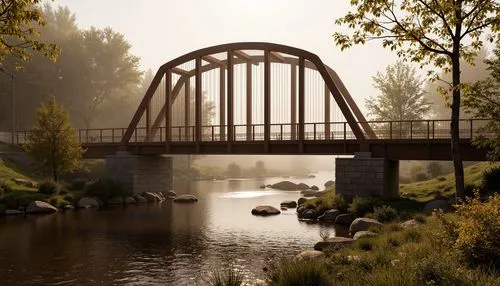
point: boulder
(185, 199)
(310, 214)
(302, 186)
(151, 197)
(13, 212)
(301, 201)
(300, 210)
(39, 207)
(311, 176)
(115, 201)
(129, 200)
(312, 193)
(314, 188)
(269, 186)
(262, 186)
(344, 219)
(68, 207)
(409, 224)
(361, 224)
(363, 233)
(161, 196)
(88, 202)
(265, 210)
(140, 199)
(170, 194)
(289, 204)
(329, 184)
(334, 243)
(443, 205)
(309, 255)
(285, 186)
(283, 208)
(329, 215)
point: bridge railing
(388, 130)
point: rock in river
(302, 186)
(309, 214)
(285, 186)
(140, 199)
(186, 199)
(363, 233)
(88, 202)
(151, 197)
(289, 204)
(314, 188)
(39, 207)
(265, 210)
(330, 215)
(301, 201)
(309, 255)
(344, 219)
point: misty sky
(160, 30)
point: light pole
(12, 77)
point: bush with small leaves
(385, 213)
(48, 187)
(298, 272)
(491, 180)
(324, 233)
(105, 189)
(226, 277)
(5, 188)
(363, 205)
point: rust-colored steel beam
(187, 109)
(267, 100)
(301, 103)
(230, 96)
(180, 71)
(327, 113)
(213, 60)
(244, 56)
(293, 100)
(277, 56)
(168, 110)
(222, 103)
(198, 103)
(249, 101)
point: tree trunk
(455, 128)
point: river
(161, 244)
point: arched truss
(185, 73)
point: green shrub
(441, 179)
(105, 189)
(327, 201)
(17, 199)
(289, 272)
(226, 277)
(68, 198)
(364, 244)
(363, 205)
(63, 191)
(412, 235)
(5, 188)
(392, 241)
(491, 180)
(58, 202)
(474, 234)
(48, 188)
(436, 271)
(385, 213)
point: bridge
(265, 98)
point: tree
(431, 32)
(233, 170)
(260, 169)
(483, 100)
(52, 141)
(18, 30)
(401, 96)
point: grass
(444, 186)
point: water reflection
(168, 243)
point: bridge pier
(141, 173)
(366, 176)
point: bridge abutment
(141, 173)
(365, 176)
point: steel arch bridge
(266, 98)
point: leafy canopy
(52, 141)
(483, 101)
(423, 31)
(19, 20)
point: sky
(161, 30)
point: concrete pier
(141, 173)
(366, 176)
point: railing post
(411, 129)
(161, 134)
(471, 133)
(428, 129)
(100, 135)
(112, 135)
(314, 128)
(281, 132)
(433, 128)
(253, 132)
(390, 132)
(345, 131)
(213, 133)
